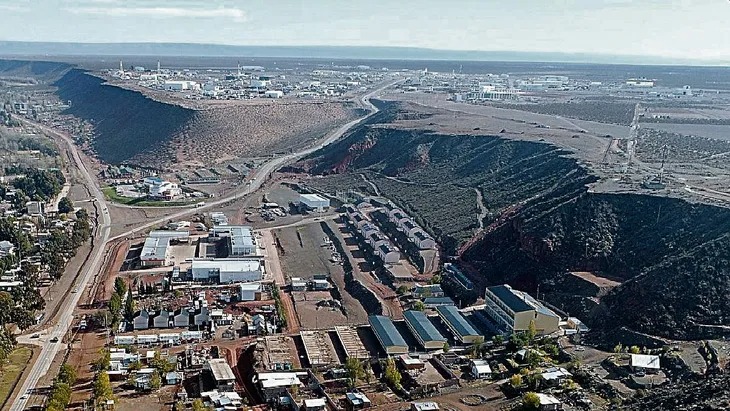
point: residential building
(428, 290)
(433, 302)
(513, 311)
(424, 406)
(424, 330)
(643, 362)
(458, 325)
(6, 248)
(480, 369)
(549, 402)
(141, 320)
(388, 336)
(275, 384)
(555, 376)
(181, 317)
(162, 319)
(357, 401)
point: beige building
(513, 310)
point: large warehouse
(227, 270)
(241, 240)
(314, 202)
(458, 325)
(155, 252)
(424, 331)
(388, 336)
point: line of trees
(38, 185)
(60, 396)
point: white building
(249, 291)
(180, 85)
(645, 362)
(314, 202)
(274, 94)
(155, 252)
(480, 369)
(227, 270)
(241, 239)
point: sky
(686, 29)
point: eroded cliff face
(130, 127)
(670, 256)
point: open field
(720, 132)
(12, 370)
(303, 254)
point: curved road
(64, 323)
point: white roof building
(227, 270)
(645, 361)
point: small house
(480, 369)
(141, 320)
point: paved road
(49, 350)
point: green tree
(161, 364)
(446, 347)
(102, 363)
(120, 287)
(531, 331)
(355, 370)
(129, 307)
(498, 339)
(419, 306)
(65, 205)
(155, 381)
(436, 279)
(634, 349)
(531, 400)
(180, 406)
(67, 374)
(515, 380)
(198, 405)
(401, 290)
(392, 375)
(102, 387)
(619, 348)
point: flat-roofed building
(458, 325)
(513, 310)
(155, 252)
(227, 270)
(249, 291)
(424, 331)
(388, 336)
(222, 374)
(241, 239)
(314, 202)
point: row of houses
(182, 317)
(162, 338)
(413, 231)
(371, 234)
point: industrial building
(513, 310)
(424, 331)
(458, 325)
(240, 239)
(221, 373)
(388, 336)
(227, 270)
(314, 202)
(155, 251)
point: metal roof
(458, 323)
(423, 326)
(645, 361)
(386, 332)
(155, 248)
(510, 298)
(220, 369)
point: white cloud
(234, 14)
(13, 8)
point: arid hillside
(133, 128)
(520, 212)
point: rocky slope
(133, 128)
(671, 256)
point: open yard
(12, 370)
(303, 254)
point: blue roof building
(424, 331)
(388, 336)
(458, 325)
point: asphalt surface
(60, 328)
